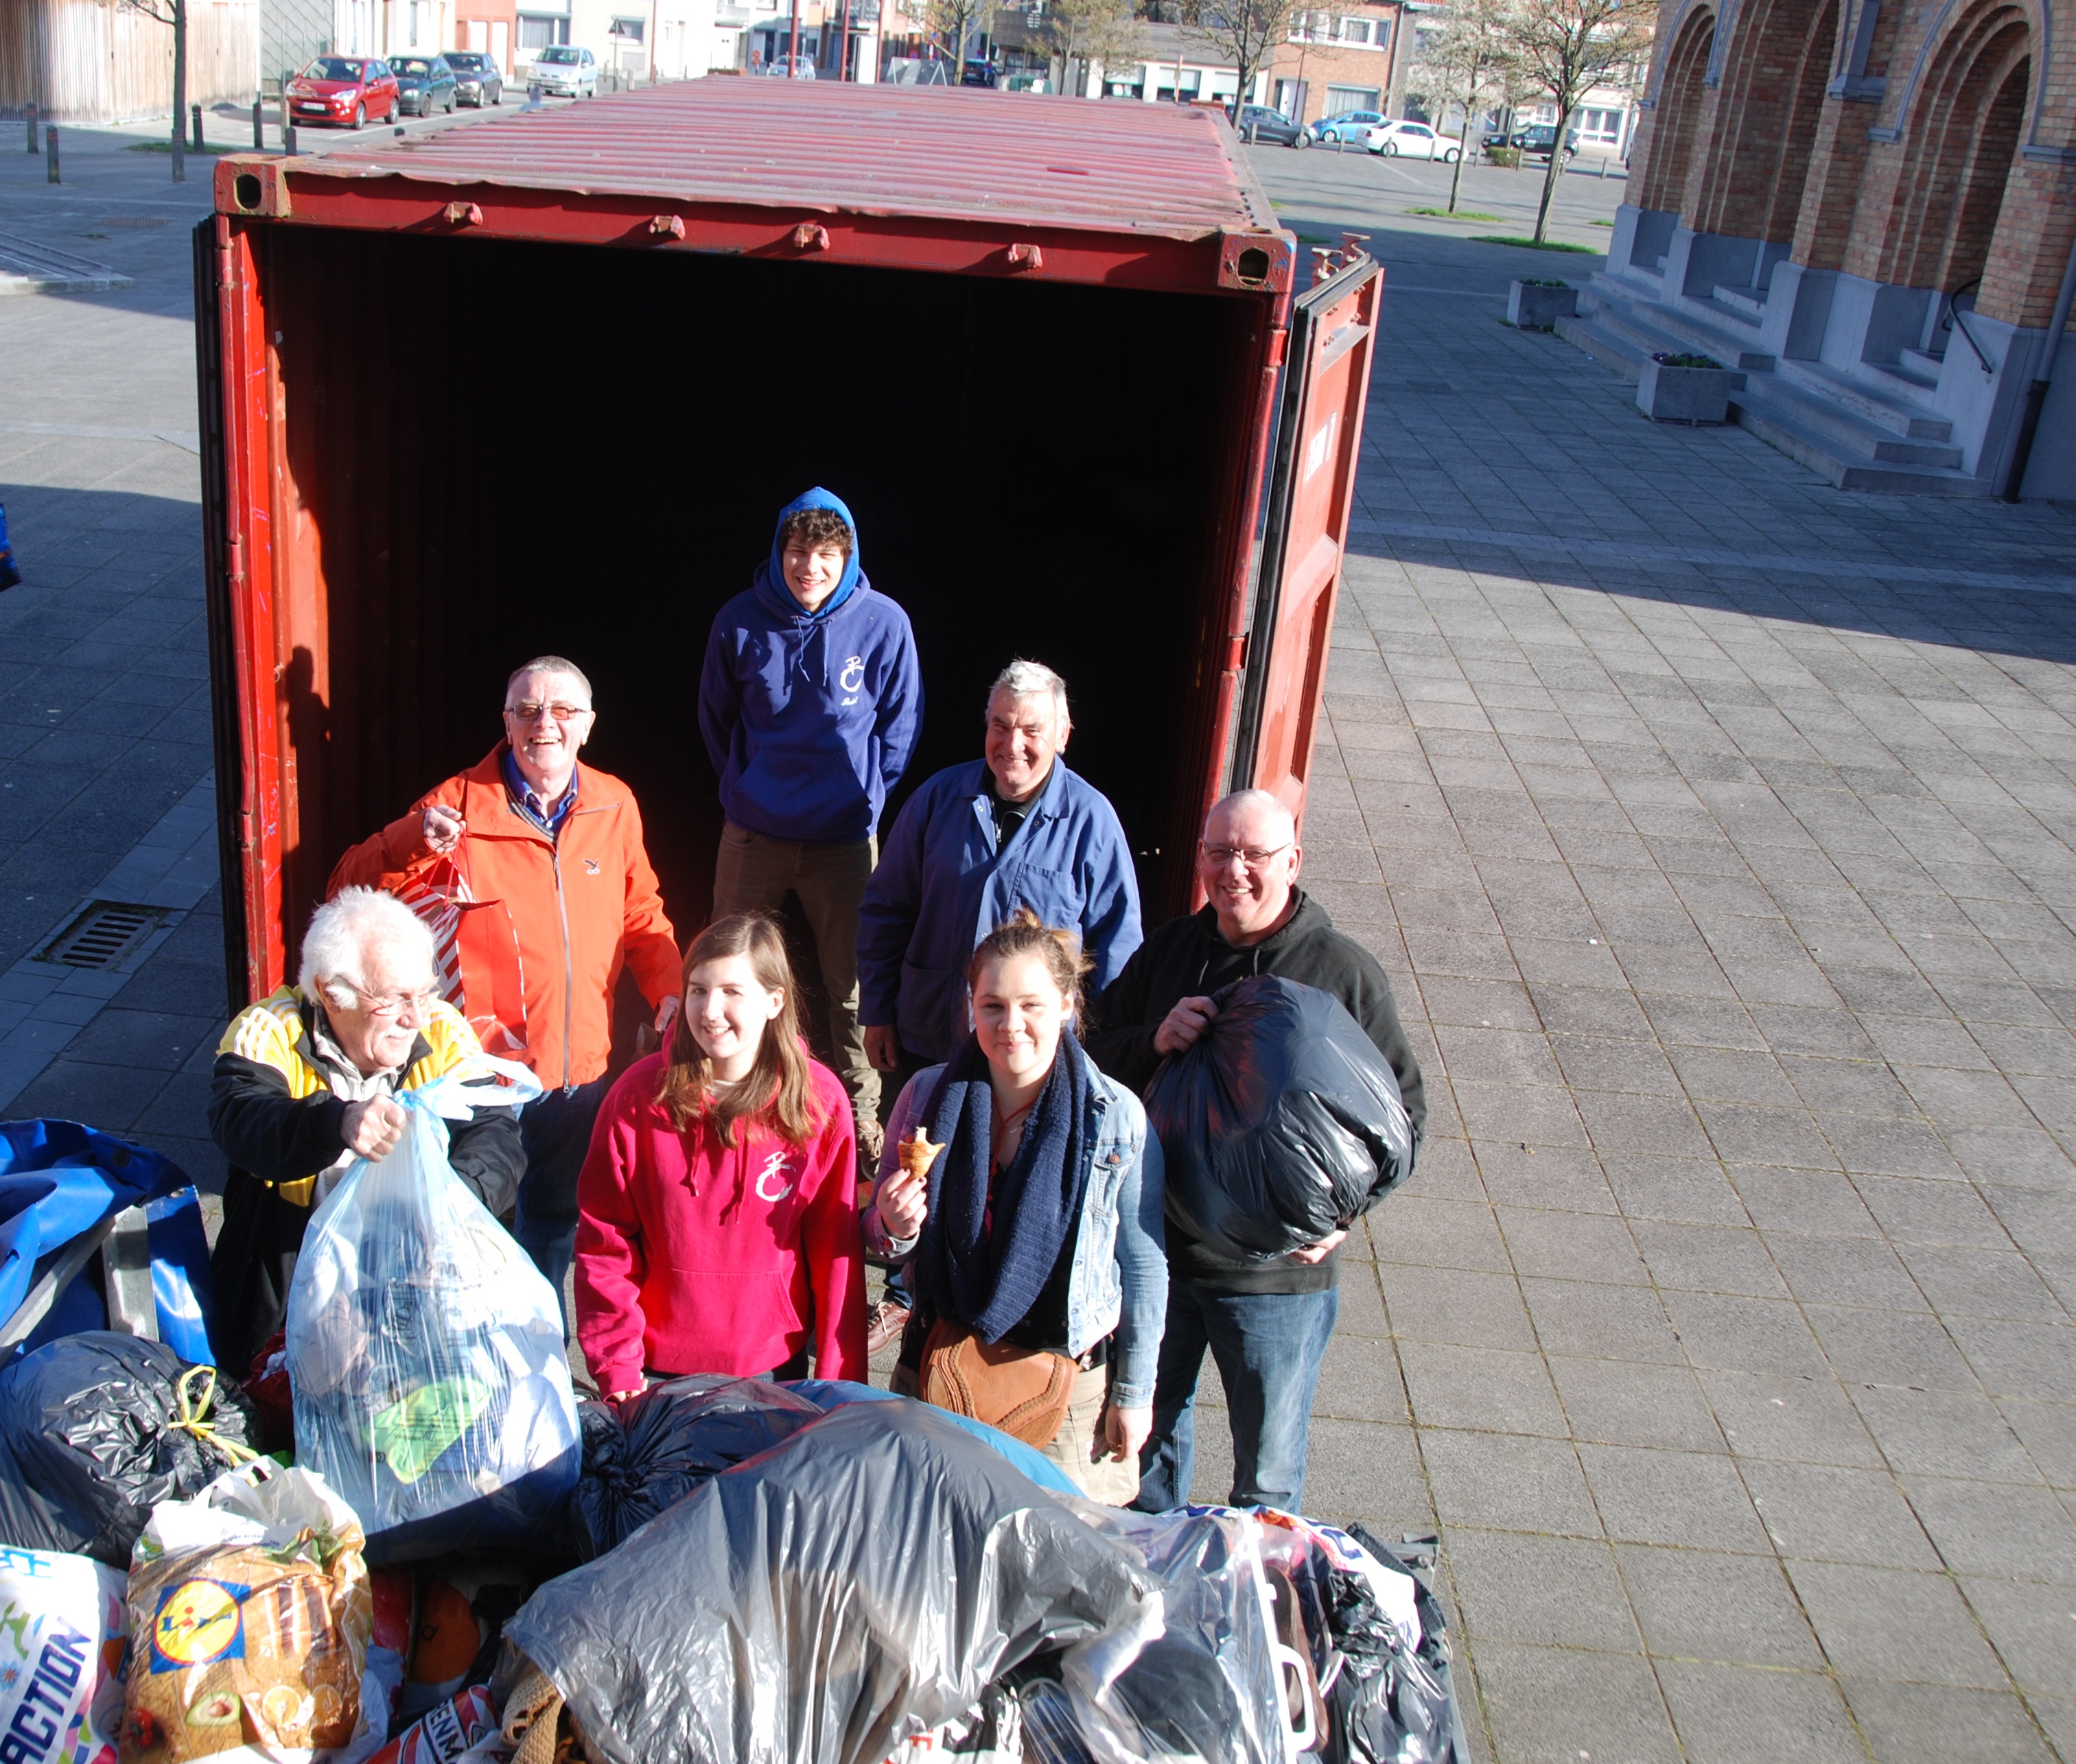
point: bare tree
(950, 24)
(1085, 31)
(173, 13)
(1244, 32)
(1568, 47)
(1471, 61)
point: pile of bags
(457, 1564)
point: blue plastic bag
(426, 1349)
(59, 1179)
(9, 576)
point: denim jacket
(1120, 1278)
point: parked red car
(346, 89)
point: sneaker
(883, 1324)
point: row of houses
(104, 60)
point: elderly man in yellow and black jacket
(304, 1085)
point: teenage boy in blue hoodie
(811, 702)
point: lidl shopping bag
(62, 1624)
(250, 1619)
(425, 1350)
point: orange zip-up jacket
(573, 910)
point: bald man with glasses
(1266, 1324)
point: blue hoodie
(810, 718)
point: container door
(1318, 441)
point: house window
(1353, 98)
(630, 28)
(1311, 26)
(538, 30)
(1354, 30)
(1600, 125)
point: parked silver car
(564, 71)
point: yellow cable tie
(193, 1413)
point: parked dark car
(1534, 140)
(344, 88)
(1271, 126)
(478, 80)
(979, 73)
(424, 83)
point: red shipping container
(541, 384)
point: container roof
(1172, 171)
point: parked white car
(564, 71)
(1404, 140)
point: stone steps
(1747, 302)
(1896, 411)
(1778, 428)
(1782, 397)
(1611, 351)
(1655, 325)
(1858, 433)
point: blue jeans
(555, 1128)
(1268, 1346)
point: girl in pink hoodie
(716, 1229)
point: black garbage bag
(650, 1453)
(1281, 1126)
(90, 1437)
(1391, 1703)
(862, 1583)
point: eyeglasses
(1252, 856)
(392, 1005)
(530, 712)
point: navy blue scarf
(990, 1281)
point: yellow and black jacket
(273, 1114)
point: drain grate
(102, 935)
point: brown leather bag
(1023, 1391)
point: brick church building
(1868, 206)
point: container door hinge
(1279, 346)
(227, 267)
(1236, 652)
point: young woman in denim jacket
(1040, 1223)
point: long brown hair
(1024, 933)
(778, 1093)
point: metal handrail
(1954, 321)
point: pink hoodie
(694, 1257)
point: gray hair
(343, 933)
(1024, 679)
(1266, 800)
(548, 664)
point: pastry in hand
(918, 1154)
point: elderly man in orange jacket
(541, 864)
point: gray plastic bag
(824, 1602)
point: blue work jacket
(942, 885)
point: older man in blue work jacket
(975, 843)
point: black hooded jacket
(1187, 958)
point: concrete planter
(1686, 394)
(1530, 308)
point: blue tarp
(59, 1179)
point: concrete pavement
(1714, 826)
